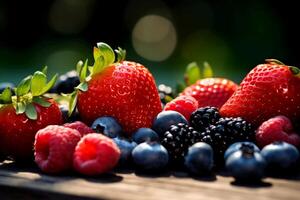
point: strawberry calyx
(273, 61)
(29, 91)
(104, 56)
(295, 71)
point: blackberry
(165, 93)
(66, 83)
(178, 139)
(226, 132)
(204, 117)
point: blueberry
(74, 117)
(150, 157)
(126, 148)
(280, 155)
(108, 126)
(199, 159)
(246, 165)
(5, 85)
(238, 146)
(66, 83)
(165, 119)
(145, 135)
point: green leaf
(31, 112)
(24, 86)
(96, 53)
(38, 82)
(45, 70)
(79, 66)
(5, 96)
(83, 72)
(82, 87)
(274, 61)
(41, 101)
(99, 65)
(20, 108)
(121, 54)
(207, 70)
(192, 73)
(49, 85)
(73, 102)
(107, 52)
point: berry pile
(115, 118)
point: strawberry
(124, 90)
(268, 90)
(23, 114)
(211, 91)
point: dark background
(233, 36)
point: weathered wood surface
(28, 183)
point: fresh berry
(65, 114)
(107, 126)
(184, 105)
(95, 154)
(178, 139)
(246, 165)
(204, 117)
(280, 156)
(226, 132)
(5, 85)
(124, 90)
(25, 112)
(165, 93)
(238, 146)
(199, 158)
(211, 91)
(150, 157)
(66, 83)
(126, 148)
(165, 119)
(278, 128)
(54, 147)
(145, 135)
(268, 90)
(82, 128)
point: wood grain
(28, 183)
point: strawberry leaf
(99, 65)
(192, 73)
(107, 52)
(79, 66)
(207, 70)
(49, 85)
(24, 86)
(31, 112)
(5, 96)
(38, 82)
(121, 54)
(73, 102)
(96, 53)
(274, 61)
(45, 70)
(20, 108)
(41, 101)
(83, 71)
(82, 87)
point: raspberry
(95, 154)
(54, 147)
(184, 105)
(278, 128)
(81, 127)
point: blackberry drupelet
(204, 117)
(165, 93)
(178, 139)
(226, 132)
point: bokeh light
(154, 37)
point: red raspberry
(95, 154)
(184, 105)
(81, 127)
(54, 147)
(278, 128)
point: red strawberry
(269, 90)
(124, 90)
(211, 91)
(21, 116)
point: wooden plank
(31, 183)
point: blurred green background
(164, 35)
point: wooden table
(27, 183)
